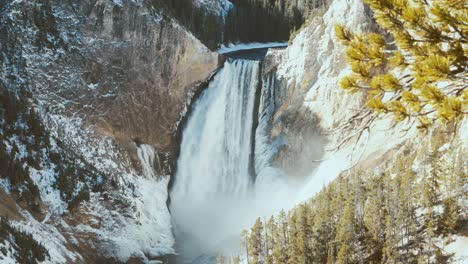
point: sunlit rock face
(310, 102)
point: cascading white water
(215, 150)
(213, 181)
(146, 155)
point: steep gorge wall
(146, 72)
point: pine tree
(270, 243)
(374, 217)
(10, 105)
(3, 160)
(293, 250)
(244, 244)
(450, 216)
(406, 217)
(256, 243)
(346, 228)
(424, 72)
(304, 233)
(281, 239)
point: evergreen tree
(417, 68)
(3, 160)
(293, 250)
(304, 233)
(256, 243)
(450, 219)
(244, 244)
(346, 229)
(374, 217)
(281, 239)
(270, 243)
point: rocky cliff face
(111, 80)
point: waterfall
(215, 150)
(212, 183)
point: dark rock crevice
(258, 95)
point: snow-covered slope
(314, 63)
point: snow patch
(49, 237)
(143, 227)
(93, 86)
(293, 65)
(459, 249)
(7, 253)
(146, 230)
(45, 180)
(118, 2)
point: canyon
(186, 145)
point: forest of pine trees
(248, 21)
(14, 109)
(205, 25)
(265, 20)
(402, 213)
